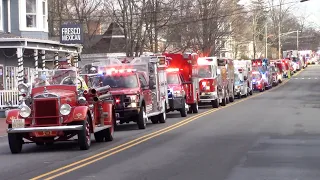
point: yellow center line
(139, 140)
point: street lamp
(297, 31)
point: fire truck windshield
(205, 71)
(173, 78)
(121, 81)
(256, 76)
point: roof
(12, 41)
(112, 41)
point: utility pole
(266, 30)
(297, 40)
(279, 30)
(254, 36)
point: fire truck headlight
(25, 111)
(23, 88)
(65, 109)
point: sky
(309, 10)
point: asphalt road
(270, 136)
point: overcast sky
(309, 10)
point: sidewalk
(3, 127)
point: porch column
(56, 60)
(68, 56)
(75, 59)
(20, 68)
(43, 57)
(35, 55)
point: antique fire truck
(214, 85)
(56, 107)
(182, 65)
(138, 88)
(243, 79)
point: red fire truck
(56, 107)
(213, 76)
(183, 64)
(138, 87)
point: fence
(9, 98)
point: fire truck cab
(243, 79)
(138, 87)
(182, 66)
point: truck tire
(231, 99)
(142, 118)
(108, 134)
(251, 92)
(162, 117)
(215, 103)
(98, 136)
(224, 102)
(239, 96)
(195, 108)
(84, 135)
(154, 120)
(183, 111)
(15, 142)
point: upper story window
(33, 15)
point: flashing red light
(118, 101)
(23, 95)
(240, 70)
(85, 92)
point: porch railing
(9, 98)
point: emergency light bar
(116, 71)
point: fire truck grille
(46, 112)
(121, 101)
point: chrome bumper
(41, 129)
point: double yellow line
(87, 161)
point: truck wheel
(154, 120)
(251, 92)
(195, 108)
(224, 102)
(84, 135)
(98, 136)
(142, 118)
(108, 134)
(239, 96)
(183, 112)
(162, 117)
(231, 99)
(15, 143)
(215, 103)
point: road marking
(139, 140)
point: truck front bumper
(176, 103)
(41, 129)
(127, 113)
(208, 97)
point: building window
(1, 16)
(44, 15)
(31, 13)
